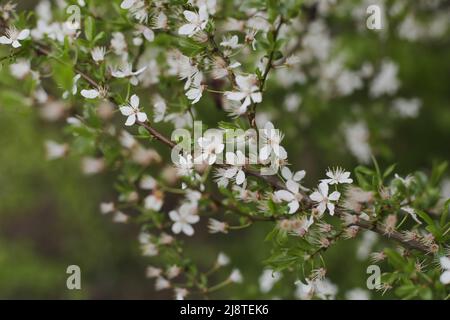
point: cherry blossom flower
(195, 92)
(211, 147)
(216, 226)
(323, 199)
(98, 54)
(272, 139)
(337, 176)
(132, 111)
(55, 150)
(296, 177)
(107, 207)
(126, 71)
(154, 201)
(185, 165)
(90, 93)
(183, 218)
(197, 22)
(147, 183)
(222, 259)
(445, 264)
(268, 279)
(231, 42)
(180, 293)
(120, 217)
(248, 91)
(12, 36)
(237, 160)
(161, 284)
(159, 107)
(291, 195)
(235, 276)
(20, 69)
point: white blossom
(337, 176)
(268, 279)
(222, 259)
(272, 139)
(13, 36)
(324, 200)
(291, 195)
(55, 150)
(216, 226)
(98, 54)
(196, 22)
(183, 219)
(235, 276)
(237, 162)
(210, 148)
(445, 265)
(132, 111)
(248, 91)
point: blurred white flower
(445, 265)
(222, 259)
(55, 150)
(216, 226)
(235, 276)
(183, 218)
(268, 279)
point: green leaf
(89, 28)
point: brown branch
(274, 181)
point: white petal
(176, 227)
(134, 101)
(5, 40)
(299, 175)
(126, 110)
(235, 96)
(187, 229)
(23, 34)
(89, 94)
(174, 215)
(192, 218)
(445, 262)
(445, 277)
(293, 206)
(264, 152)
(230, 173)
(131, 120)
(292, 186)
(331, 208)
(323, 189)
(284, 195)
(240, 178)
(127, 4)
(189, 15)
(286, 173)
(16, 44)
(141, 116)
(186, 29)
(334, 196)
(316, 196)
(321, 207)
(257, 97)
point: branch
(274, 181)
